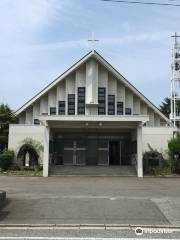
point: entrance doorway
(114, 153)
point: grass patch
(25, 173)
(160, 171)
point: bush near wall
(6, 159)
(154, 163)
(174, 154)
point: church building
(91, 115)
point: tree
(6, 117)
(165, 107)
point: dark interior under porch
(92, 148)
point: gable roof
(108, 66)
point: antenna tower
(175, 82)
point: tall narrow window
(71, 104)
(128, 111)
(52, 110)
(81, 100)
(120, 107)
(101, 101)
(111, 104)
(61, 107)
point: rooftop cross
(93, 41)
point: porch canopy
(129, 121)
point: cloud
(145, 37)
(21, 18)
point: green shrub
(152, 159)
(174, 145)
(6, 159)
(174, 154)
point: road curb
(88, 226)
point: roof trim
(109, 67)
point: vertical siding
(22, 118)
(143, 108)
(136, 105)
(92, 81)
(156, 120)
(36, 110)
(102, 77)
(129, 100)
(151, 117)
(29, 116)
(52, 99)
(44, 105)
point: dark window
(61, 107)
(52, 110)
(71, 104)
(111, 104)
(36, 122)
(101, 101)
(81, 100)
(120, 106)
(128, 111)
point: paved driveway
(101, 200)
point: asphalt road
(90, 200)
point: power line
(144, 3)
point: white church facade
(91, 115)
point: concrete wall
(157, 137)
(17, 133)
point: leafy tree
(174, 153)
(165, 107)
(6, 117)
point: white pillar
(46, 153)
(139, 152)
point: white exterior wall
(129, 100)
(81, 77)
(17, 133)
(136, 105)
(36, 110)
(143, 108)
(103, 78)
(52, 99)
(22, 118)
(44, 105)
(157, 137)
(92, 81)
(61, 91)
(156, 120)
(29, 116)
(151, 118)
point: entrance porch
(98, 141)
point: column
(46, 153)
(139, 152)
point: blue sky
(41, 38)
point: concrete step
(62, 170)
